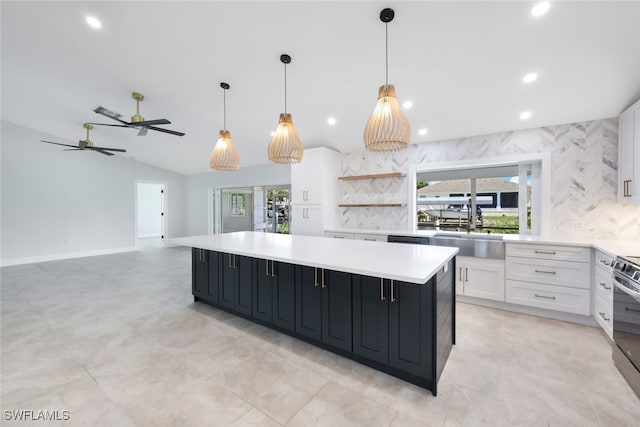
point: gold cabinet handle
(544, 296)
(273, 270)
(393, 299)
(322, 275)
(631, 309)
(370, 240)
(604, 317)
(604, 285)
(381, 289)
(315, 280)
(230, 260)
(460, 278)
(466, 274)
(545, 271)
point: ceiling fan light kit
(285, 146)
(388, 128)
(224, 156)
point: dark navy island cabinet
(404, 329)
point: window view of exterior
(238, 205)
(451, 204)
(278, 201)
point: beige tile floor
(117, 341)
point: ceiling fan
(137, 121)
(87, 144)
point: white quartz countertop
(612, 247)
(396, 261)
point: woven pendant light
(285, 146)
(224, 156)
(388, 128)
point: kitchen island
(390, 306)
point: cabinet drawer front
(338, 235)
(560, 298)
(604, 315)
(563, 273)
(370, 237)
(604, 285)
(563, 253)
(605, 262)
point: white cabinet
(554, 277)
(308, 220)
(313, 191)
(629, 155)
(603, 291)
(480, 277)
(371, 237)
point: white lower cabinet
(604, 315)
(480, 277)
(603, 291)
(552, 297)
(549, 276)
(336, 235)
(371, 237)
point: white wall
(58, 204)
(199, 186)
(148, 209)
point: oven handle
(619, 285)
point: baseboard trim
(68, 255)
(532, 311)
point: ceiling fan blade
(151, 122)
(142, 131)
(57, 143)
(172, 132)
(109, 124)
(108, 113)
(106, 153)
(120, 150)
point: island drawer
(370, 237)
(560, 298)
(550, 252)
(548, 272)
(338, 235)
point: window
(495, 199)
(238, 204)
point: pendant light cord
(224, 97)
(386, 55)
(285, 88)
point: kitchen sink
(471, 244)
(475, 245)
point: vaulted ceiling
(460, 63)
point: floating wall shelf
(372, 176)
(370, 205)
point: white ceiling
(461, 63)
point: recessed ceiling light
(525, 115)
(331, 121)
(540, 8)
(529, 78)
(407, 105)
(93, 22)
(423, 131)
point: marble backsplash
(584, 177)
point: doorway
(278, 207)
(150, 214)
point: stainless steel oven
(626, 319)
